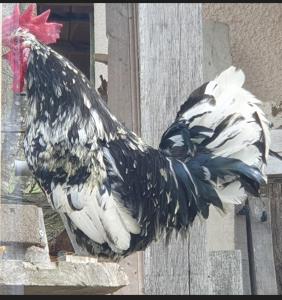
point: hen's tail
(219, 144)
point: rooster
(117, 193)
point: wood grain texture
(0, 103)
(274, 165)
(262, 268)
(170, 64)
(123, 99)
(272, 196)
(122, 64)
(225, 272)
(92, 45)
(275, 196)
(241, 243)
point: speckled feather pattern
(118, 193)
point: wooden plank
(262, 268)
(271, 195)
(241, 243)
(225, 272)
(274, 165)
(101, 50)
(275, 196)
(1, 106)
(123, 99)
(170, 62)
(92, 45)
(122, 65)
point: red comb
(45, 32)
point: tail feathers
(231, 77)
(222, 138)
(218, 181)
(228, 79)
(223, 181)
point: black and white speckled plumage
(118, 193)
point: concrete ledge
(60, 278)
(22, 224)
(25, 266)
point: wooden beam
(275, 196)
(262, 268)
(92, 45)
(241, 243)
(101, 50)
(1, 105)
(123, 99)
(170, 63)
(274, 165)
(122, 64)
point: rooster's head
(18, 32)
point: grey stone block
(22, 234)
(22, 224)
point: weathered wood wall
(259, 233)
(170, 62)
(225, 272)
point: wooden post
(275, 196)
(0, 104)
(171, 62)
(92, 46)
(262, 268)
(264, 227)
(266, 235)
(123, 99)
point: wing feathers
(98, 214)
